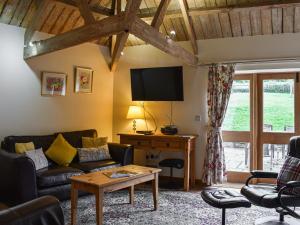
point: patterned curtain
(220, 78)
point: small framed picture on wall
(83, 80)
(54, 84)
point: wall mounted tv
(157, 84)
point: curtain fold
(220, 78)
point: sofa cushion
(61, 151)
(93, 142)
(23, 147)
(43, 141)
(75, 137)
(95, 166)
(38, 157)
(93, 154)
(56, 175)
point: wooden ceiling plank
(288, 20)
(61, 22)
(198, 28)
(51, 19)
(221, 3)
(20, 12)
(71, 21)
(297, 20)
(207, 28)
(225, 25)
(235, 23)
(36, 21)
(245, 22)
(160, 14)
(9, 11)
(85, 11)
(131, 10)
(29, 14)
(94, 8)
(188, 25)
(277, 20)
(150, 35)
(264, 4)
(105, 27)
(215, 23)
(255, 21)
(266, 23)
(2, 5)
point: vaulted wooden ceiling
(210, 18)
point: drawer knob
(168, 144)
(139, 143)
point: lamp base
(144, 132)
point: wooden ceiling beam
(131, 10)
(264, 4)
(105, 27)
(35, 22)
(95, 9)
(85, 11)
(189, 25)
(150, 35)
(160, 13)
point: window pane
(237, 156)
(278, 107)
(238, 111)
(274, 156)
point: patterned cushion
(290, 171)
(93, 154)
(38, 157)
(88, 142)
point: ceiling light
(172, 33)
(122, 53)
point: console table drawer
(167, 144)
(138, 143)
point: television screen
(157, 84)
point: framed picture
(83, 80)
(54, 84)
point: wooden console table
(171, 143)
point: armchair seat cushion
(88, 167)
(56, 175)
(267, 196)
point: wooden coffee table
(97, 183)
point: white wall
(195, 81)
(22, 108)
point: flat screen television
(157, 84)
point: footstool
(224, 198)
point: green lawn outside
(278, 111)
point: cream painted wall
(195, 81)
(25, 111)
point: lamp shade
(135, 112)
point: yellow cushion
(61, 151)
(89, 142)
(23, 147)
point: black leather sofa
(20, 182)
(42, 211)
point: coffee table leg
(74, 198)
(131, 194)
(155, 191)
(99, 206)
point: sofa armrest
(261, 174)
(18, 178)
(45, 210)
(121, 153)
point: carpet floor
(175, 208)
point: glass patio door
(278, 118)
(237, 129)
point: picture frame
(54, 84)
(83, 80)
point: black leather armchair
(268, 196)
(42, 211)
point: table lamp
(135, 112)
